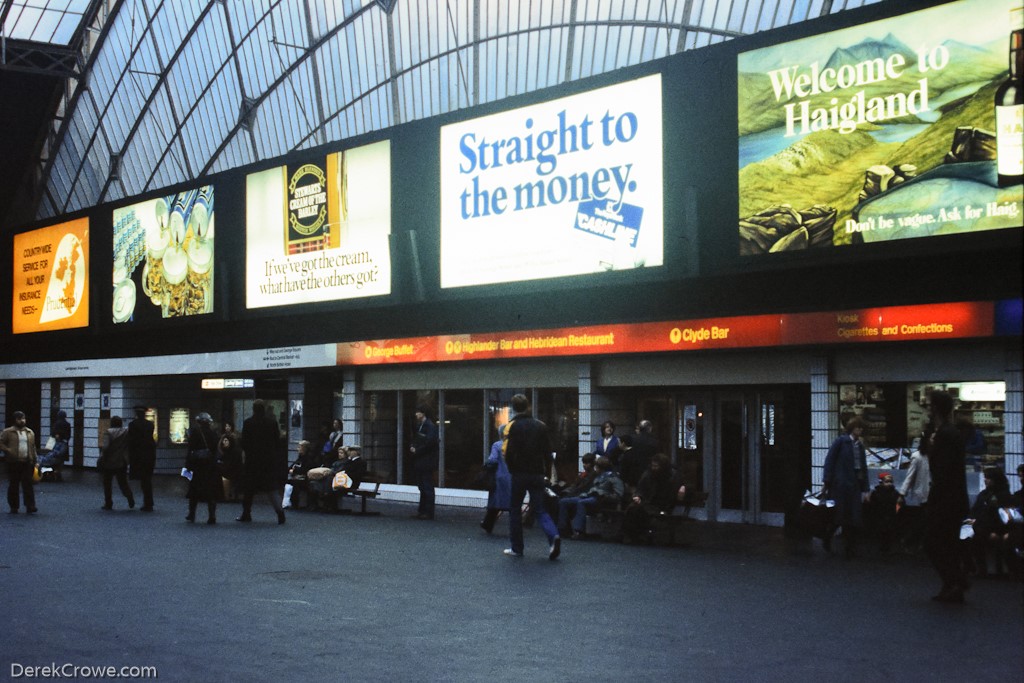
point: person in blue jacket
(500, 493)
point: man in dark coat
(846, 482)
(947, 499)
(142, 455)
(265, 471)
(424, 451)
(528, 454)
(637, 459)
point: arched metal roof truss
(175, 90)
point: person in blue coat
(846, 482)
(500, 493)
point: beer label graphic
(307, 228)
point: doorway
(761, 442)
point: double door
(744, 447)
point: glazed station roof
(163, 91)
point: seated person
(319, 478)
(584, 480)
(606, 492)
(56, 456)
(306, 460)
(354, 466)
(1013, 539)
(987, 526)
(350, 462)
(656, 493)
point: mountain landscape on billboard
(844, 122)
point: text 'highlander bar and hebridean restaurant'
(891, 323)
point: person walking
(913, 498)
(18, 443)
(113, 463)
(528, 454)
(947, 498)
(201, 460)
(500, 491)
(265, 471)
(142, 455)
(231, 462)
(424, 451)
(846, 482)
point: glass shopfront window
(410, 401)
(559, 410)
(499, 410)
(380, 434)
(895, 415)
(690, 443)
(468, 423)
(463, 437)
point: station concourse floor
(392, 598)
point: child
(884, 506)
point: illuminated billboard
(163, 257)
(565, 187)
(883, 131)
(319, 230)
(51, 278)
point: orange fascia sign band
(892, 323)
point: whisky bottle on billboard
(1010, 109)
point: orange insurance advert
(51, 273)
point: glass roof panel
(260, 79)
(44, 21)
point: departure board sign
(51, 278)
(319, 230)
(884, 131)
(565, 187)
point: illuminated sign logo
(218, 383)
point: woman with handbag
(202, 462)
(113, 463)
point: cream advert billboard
(884, 131)
(319, 230)
(163, 257)
(51, 278)
(565, 187)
